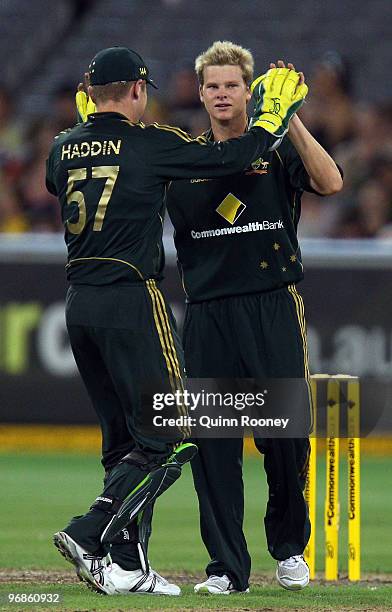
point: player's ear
(90, 93)
(138, 88)
(201, 93)
(248, 94)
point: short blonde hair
(111, 92)
(223, 53)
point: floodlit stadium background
(344, 50)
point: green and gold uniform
(111, 179)
(239, 259)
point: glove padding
(84, 106)
(277, 97)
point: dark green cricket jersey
(111, 178)
(238, 234)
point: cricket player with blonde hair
(240, 261)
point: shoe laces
(291, 561)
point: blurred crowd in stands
(357, 134)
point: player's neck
(118, 107)
(232, 128)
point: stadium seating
(169, 32)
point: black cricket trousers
(250, 336)
(123, 338)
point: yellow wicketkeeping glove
(84, 106)
(277, 97)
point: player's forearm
(324, 174)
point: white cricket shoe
(217, 585)
(293, 573)
(127, 582)
(89, 568)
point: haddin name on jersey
(90, 149)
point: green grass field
(41, 492)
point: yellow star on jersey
(276, 246)
(264, 265)
(293, 258)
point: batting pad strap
(144, 461)
(107, 503)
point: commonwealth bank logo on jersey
(231, 208)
